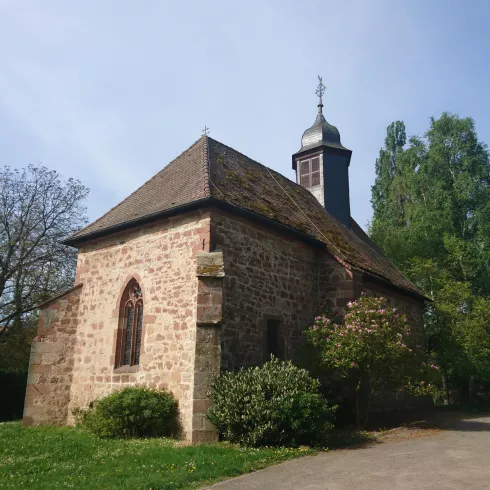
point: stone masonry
(52, 360)
(210, 273)
(162, 258)
(272, 276)
(210, 281)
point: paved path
(458, 458)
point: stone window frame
(131, 297)
(306, 173)
(281, 338)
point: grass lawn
(67, 457)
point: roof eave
(386, 282)
(75, 241)
(317, 148)
(213, 202)
(198, 204)
(58, 296)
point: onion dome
(321, 133)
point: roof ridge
(358, 258)
(270, 170)
(251, 159)
(327, 242)
(92, 223)
(206, 167)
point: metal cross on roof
(320, 90)
(205, 131)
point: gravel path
(456, 458)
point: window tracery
(130, 326)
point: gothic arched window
(130, 326)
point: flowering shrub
(274, 404)
(134, 411)
(372, 344)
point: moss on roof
(210, 169)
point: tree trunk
(471, 389)
(445, 387)
(358, 405)
(368, 406)
(362, 413)
(17, 325)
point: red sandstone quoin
(230, 261)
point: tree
(371, 344)
(432, 219)
(388, 169)
(457, 326)
(37, 210)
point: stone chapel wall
(52, 360)
(270, 275)
(211, 281)
(162, 258)
(410, 306)
(413, 308)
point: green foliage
(134, 411)
(273, 404)
(371, 344)
(15, 345)
(457, 323)
(45, 458)
(431, 217)
(13, 387)
(37, 210)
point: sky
(110, 91)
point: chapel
(215, 263)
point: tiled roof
(209, 169)
(182, 181)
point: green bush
(274, 404)
(132, 412)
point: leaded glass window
(139, 329)
(129, 334)
(130, 326)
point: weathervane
(205, 131)
(320, 90)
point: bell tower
(322, 164)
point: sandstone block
(204, 436)
(210, 264)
